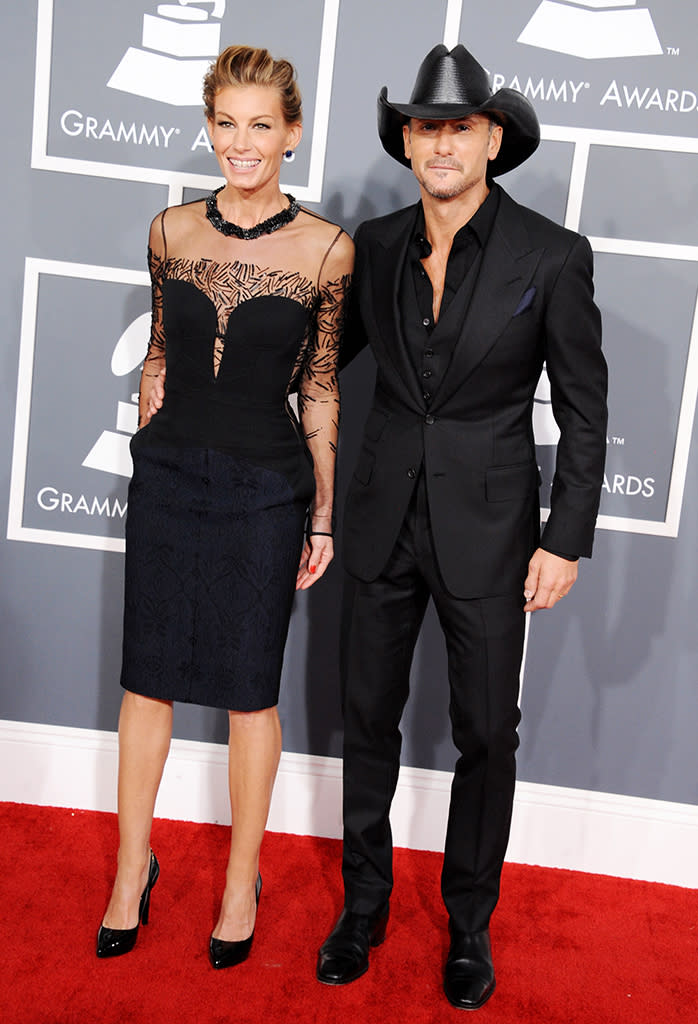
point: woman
(248, 299)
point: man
(462, 298)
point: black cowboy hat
(451, 85)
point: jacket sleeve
(578, 378)
(354, 338)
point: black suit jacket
(532, 303)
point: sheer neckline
(243, 264)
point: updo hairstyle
(249, 65)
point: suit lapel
(508, 264)
(385, 268)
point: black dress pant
(484, 641)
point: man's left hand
(549, 578)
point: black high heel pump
(117, 941)
(228, 954)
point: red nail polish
(313, 568)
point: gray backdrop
(609, 685)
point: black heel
(228, 954)
(117, 941)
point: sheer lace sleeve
(318, 386)
(155, 357)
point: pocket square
(526, 301)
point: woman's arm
(154, 361)
(318, 405)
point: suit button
(426, 396)
(426, 374)
(428, 352)
(426, 321)
(411, 473)
(429, 419)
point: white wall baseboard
(603, 833)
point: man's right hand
(157, 395)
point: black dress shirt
(466, 247)
(430, 344)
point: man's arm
(578, 378)
(578, 385)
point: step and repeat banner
(109, 122)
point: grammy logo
(593, 29)
(178, 45)
(110, 453)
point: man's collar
(480, 224)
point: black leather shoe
(227, 954)
(343, 957)
(117, 941)
(469, 975)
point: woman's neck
(248, 209)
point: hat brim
(510, 108)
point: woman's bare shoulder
(325, 236)
(175, 225)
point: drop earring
(289, 155)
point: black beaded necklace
(265, 227)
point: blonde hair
(249, 65)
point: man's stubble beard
(436, 191)
(444, 193)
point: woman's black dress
(222, 474)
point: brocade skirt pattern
(213, 544)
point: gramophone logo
(593, 29)
(70, 472)
(178, 44)
(546, 433)
(110, 453)
(545, 429)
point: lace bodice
(242, 324)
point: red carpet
(569, 948)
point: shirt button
(429, 419)
(428, 353)
(426, 374)
(426, 396)
(426, 321)
(411, 473)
